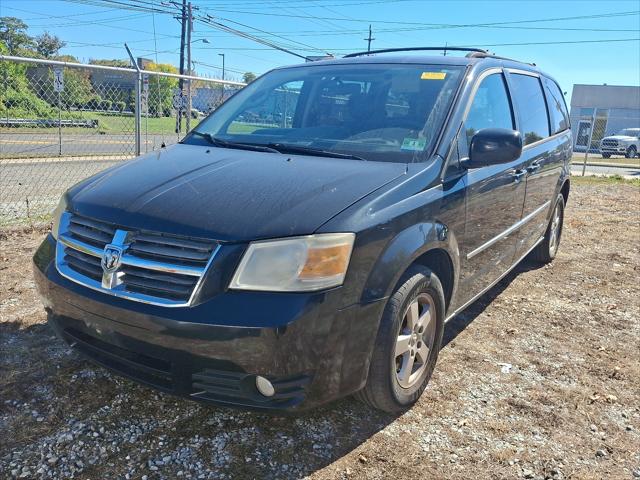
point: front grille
(152, 371)
(609, 143)
(154, 267)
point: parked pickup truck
(282, 266)
(626, 142)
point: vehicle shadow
(460, 322)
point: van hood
(626, 138)
(228, 195)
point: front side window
(490, 108)
(557, 107)
(531, 107)
(381, 112)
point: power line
(225, 28)
(146, 6)
(362, 20)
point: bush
(120, 106)
(25, 104)
(93, 103)
(105, 104)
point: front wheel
(546, 250)
(632, 152)
(408, 342)
(606, 155)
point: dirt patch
(540, 378)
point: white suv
(626, 142)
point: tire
(391, 385)
(546, 250)
(632, 152)
(606, 155)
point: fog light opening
(265, 387)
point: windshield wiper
(218, 142)
(301, 149)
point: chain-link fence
(61, 122)
(606, 136)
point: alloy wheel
(556, 225)
(415, 340)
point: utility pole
(189, 29)
(183, 22)
(222, 55)
(222, 84)
(369, 39)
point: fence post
(138, 112)
(59, 125)
(138, 109)
(586, 153)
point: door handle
(534, 167)
(518, 174)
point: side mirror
(492, 146)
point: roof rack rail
(411, 49)
(487, 54)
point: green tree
(17, 99)
(48, 45)
(161, 89)
(13, 34)
(248, 77)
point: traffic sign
(58, 79)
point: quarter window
(490, 107)
(531, 107)
(557, 107)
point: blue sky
(338, 26)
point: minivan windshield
(379, 112)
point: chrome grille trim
(146, 280)
(128, 259)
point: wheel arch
(431, 245)
(564, 190)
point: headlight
(57, 213)
(295, 264)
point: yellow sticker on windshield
(433, 75)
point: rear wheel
(606, 155)
(632, 152)
(546, 250)
(408, 342)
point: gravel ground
(540, 378)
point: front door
(495, 195)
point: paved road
(608, 170)
(37, 144)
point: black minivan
(310, 238)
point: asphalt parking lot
(538, 379)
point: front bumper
(613, 150)
(311, 348)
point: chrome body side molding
(492, 284)
(508, 231)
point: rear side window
(557, 107)
(490, 107)
(531, 107)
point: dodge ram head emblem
(111, 258)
